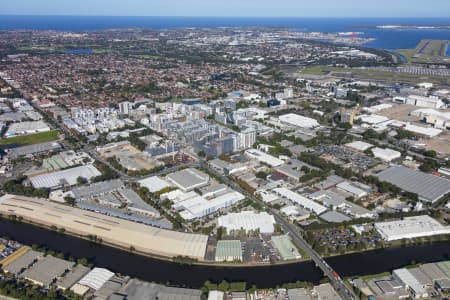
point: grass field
(427, 51)
(36, 138)
(376, 75)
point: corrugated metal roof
(428, 187)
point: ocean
(389, 39)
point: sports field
(30, 139)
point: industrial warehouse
(64, 177)
(248, 220)
(429, 188)
(411, 227)
(117, 232)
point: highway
(294, 233)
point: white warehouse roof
(96, 278)
(377, 108)
(411, 227)
(264, 157)
(408, 279)
(188, 179)
(372, 119)
(352, 189)
(359, 145)
(299, 121)
(198, 207)
(68, 176)
(248, 220)
(427, 131)
(154, 184)
(386, 154)
(300, 200)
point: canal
(195, 275)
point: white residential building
(247, 138)
(125, 107)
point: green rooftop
(285, 247)
(54, 163)
(229, 250)
(445, 267)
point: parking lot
(8, 247)
(356, 159)
(338, 240)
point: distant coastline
(381, 38)
(415, 27)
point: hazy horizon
(231, 8)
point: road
(294, 233)
(288, 227)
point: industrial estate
(236, 147)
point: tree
(345, 126)
(261, 175)
(70, 200)
(224, 286)
(430, 153)
(81, 180)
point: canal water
(195, 275)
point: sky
(255, 8)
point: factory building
(438, 119)
(228, 250)
(64, 177)
(413, 286)
(422, 101)
(300, 200)
(154, 184)
(386, 154)
(194, 206)
(35, 149)
(24, 128)
(264, 157)
(188, 179)
(298, 121)
(46, 270)
(352, 189)
(285, 247)
(359, 146)
(411, 227)
(428, 187)
(248, 221)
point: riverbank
(181, 260)
(167, 271)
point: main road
(288, 227)
(294, 232)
